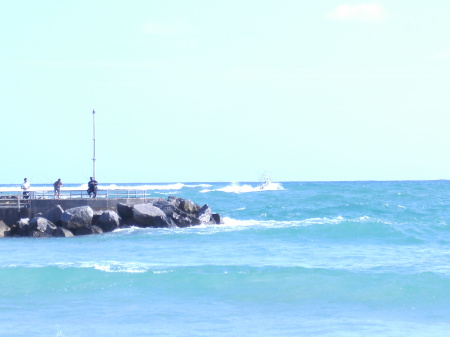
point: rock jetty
(158, 213)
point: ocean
(296, 259)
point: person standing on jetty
(92, 188)
(57, 188)
(25, 186)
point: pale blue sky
(224, 90)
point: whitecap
(236, 188)
(198, 185)
(115, 267)
(144, 187)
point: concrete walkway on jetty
(13, 206)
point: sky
(205, 91)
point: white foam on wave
(132, 267)
(199, 185)
(106, 266)
(116, 267)
(176, 186)
(234, 223)
(236, 188)
(146, 187)
(167, 193)
(242, 224)
(231, 224)
(10, 189)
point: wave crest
(236, 188)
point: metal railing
(14, 199)
(19, 199)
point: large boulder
(62, 232)
(147, 215)
(125, 211)
(174, 201)
(88, 230)
(204, 215)
(108, 221)
(166, 207)
(54, 214)
(77, 217)
(5, 230)
(185, 205)
(187, 221)
(189, 206)
(42, 225)
(217, 218)
(96, 216)
(178, 215)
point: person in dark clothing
(57, 188)
(92, 188)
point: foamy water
(246, 188)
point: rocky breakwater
(56, 222)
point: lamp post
(93, 159)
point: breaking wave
(237, 188)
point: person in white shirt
(26, 187)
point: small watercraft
(264, 181)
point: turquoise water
(301, 259)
